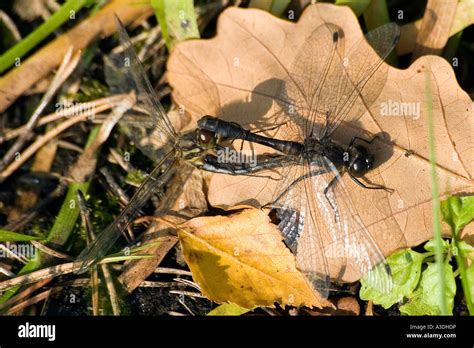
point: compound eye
(205, 137)
(369, 162)
(359, 167)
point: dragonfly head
(205, 139)
(362, 161)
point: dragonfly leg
(326, 189)
(353, 140)
(373, 187)
(261, 130)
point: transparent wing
(348, 242)
(124, 74)
(324, 82)
(321, 226)
(301, 234)
(301, 90)
(98, 248)
(357, 76)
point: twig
(13, 255)
(150, 284)
(127, 166)
(181, 300)
(50, 251)
(91, 109)
(6, 272)
(68, 64)
(111, 289)
(114, 187)
(41, 141)
(105, 269)
(40, 297)
(23, 294)
(94, 283)
(69, 146)
(187, 293)
(188, 283)
(48, 272)
(167, 270)
(38, 144)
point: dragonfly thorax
(325, 147)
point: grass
(14, 55)
(435, 197)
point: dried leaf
(348, 306)
(242, 259)
(242, 83)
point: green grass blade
(278, 7)
(177, 20)
(9, 236)
(435, 197)
(376, 14)
(275, 7)
(44, 30)
(357, 6)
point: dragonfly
(311, 201)
(179, 153)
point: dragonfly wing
(298, 228)
(324, 82)
(124, 74)
(99, 247)
(355, 79)
(301, 91)
(348, 241)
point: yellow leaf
(242, 259)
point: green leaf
(426, 299)
(430, 245)
(406, 269)
(177, 20)
(458, 212)
(465, 248)
(228, 309)
(8, 236)
(470, 279)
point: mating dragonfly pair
(310, 203)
